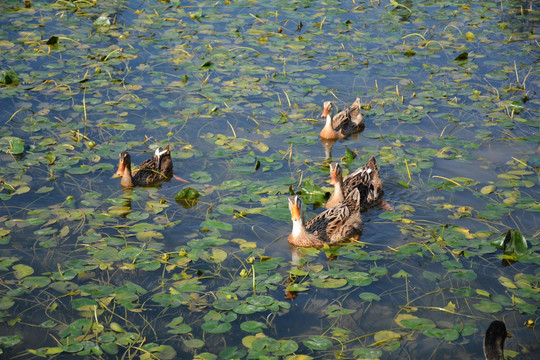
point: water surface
(236, 88)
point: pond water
(449, 93)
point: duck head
(295, 206)
(124, 159)
(328, 109)
(336, 173)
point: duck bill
(295, 210)
(325, 112)
(333, 178)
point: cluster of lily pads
(235, 87)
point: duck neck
(328, 123)
(337, 195)
(300, 237)
(127, 178)
(298, 228)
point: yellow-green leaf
(385, 336)
(487, 189)
(22, 270)
(507, 283)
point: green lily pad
(369, 297)
(253, 326)
(286, 347)
(329, 283)
(317, 343)
(418, 323)
(187, 196)
(9, 77)
(488, 306)
(9, 341)
(6, 303)
(446, 334)
(514, 243)
(216, 327)
(193, 343)
(35, 282)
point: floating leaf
(187, 194)
(218, 255)
(33, 282)
(16, 146)
(446, 334)
(468, 275)
(365, 353)
(22, 271)
(487, 306)
(369, 297)
(201, 176)
(514, 243)
(402, 317)
(81, 170)
(193, 343)
(215, 327)
(83, 304)
(286, 347)
(507, 283)
(488, 189)
(9, 77)
(9, 341)
(216, 224)
(403, 184)
(6, 302)
(418, 323)
(317, 343)
(384, 336)
(253, 326)
(329, 283)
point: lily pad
(317, 343)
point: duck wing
(352, 226)
(156, 169)
(326, 223)
(340, 118)
(356, 115)
(166, 163)
(368, 181)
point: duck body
(366, 179)
(153, 170)
(494, 341)
(338, 223)
(347, 122)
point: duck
(494, 340)
(329, 227)
(347, 122)
(366, 179)
(153, 170)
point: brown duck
(366, 179)
(338, 223)
(347, 122)
(158, 168)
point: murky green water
(236, 87)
